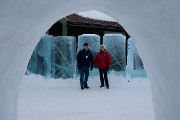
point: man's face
(86, 47)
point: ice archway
(155, 24)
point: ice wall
(138, 64)
(40, 61)
(130, 59)
(134, 63)
(154, 24)
(115, 45)
(133, 55)
(54, 57)
(63, 56)
(92, 39)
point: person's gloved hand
(107, 68)
(78, 67)
(91, 68)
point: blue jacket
(84, 59)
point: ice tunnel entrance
(55, 54)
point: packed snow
(58, 99)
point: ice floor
(49, 99)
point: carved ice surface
(54, 57)
(92, 39)
(115, 45)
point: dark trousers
(103, 77)
(84, 73)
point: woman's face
(102, 48)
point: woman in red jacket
(103, 61)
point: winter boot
(107, 86)
(86, 87)
(82, 88)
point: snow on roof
(96, 15)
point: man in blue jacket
(84, 63)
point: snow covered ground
(49, 99)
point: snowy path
(44, 99)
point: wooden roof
(75, 18)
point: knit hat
(102, 46)
(85, 44)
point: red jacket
(102, 59)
